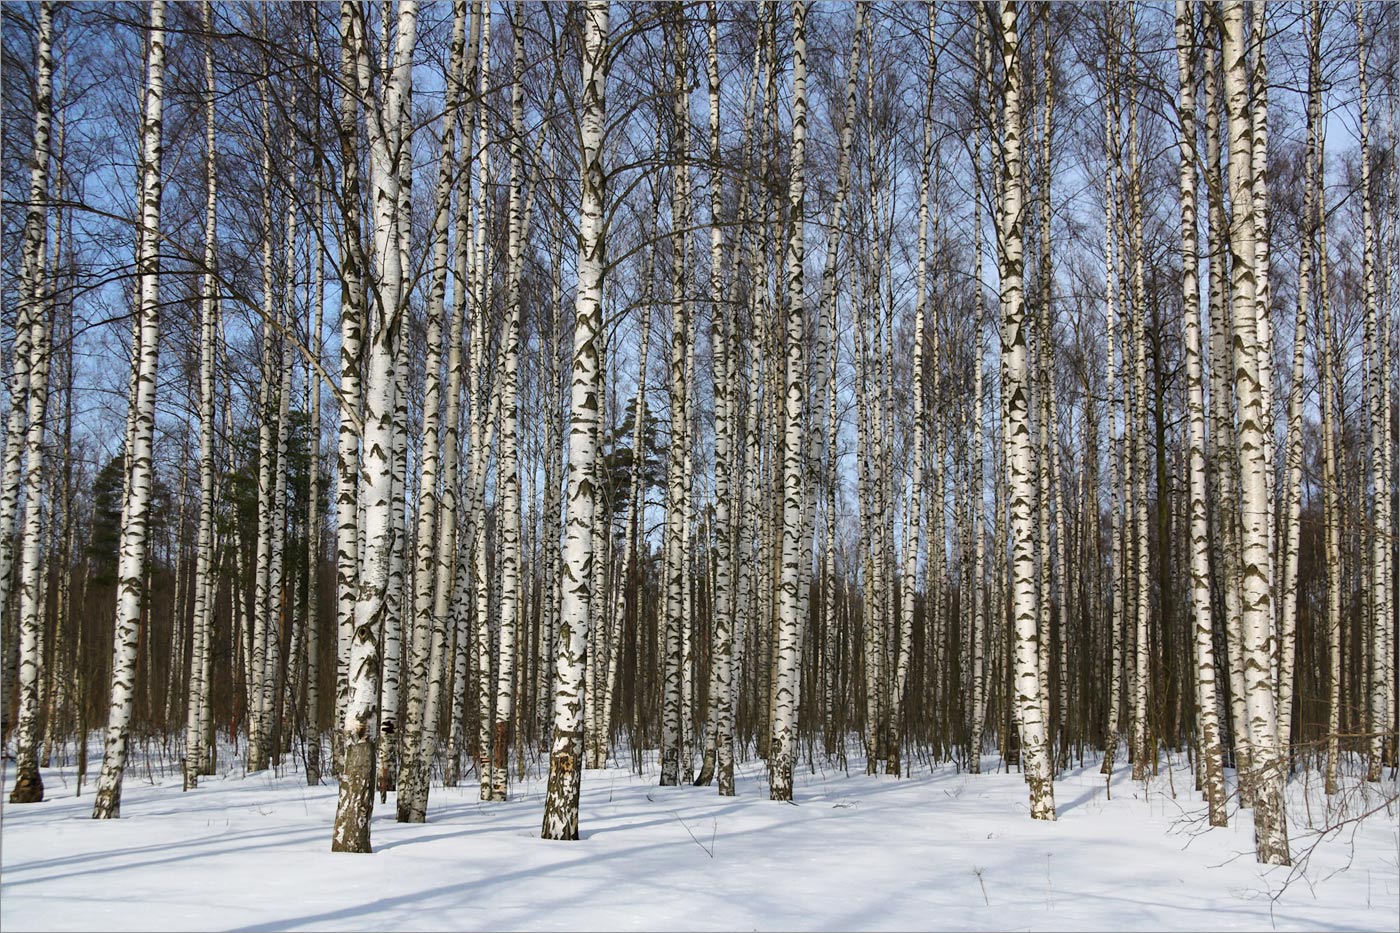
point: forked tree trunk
(359, 725)
(418, 730)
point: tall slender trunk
(1271, 832)
(131, 562)
(916, 486)
(1330, 405)
(280, 617)
(1029, 706)
(1117, 463)
(485, 401)
(783, 751)
(1378, 600)
(978, 594)
(576, 597)
(29, 786)
(720, 750)
(1143, 744)
(200, 641)
(508, 460)
(314, 518)
(428, 626)
(1225, 465)
(1293, 489)
(359, 724)
(352, 314)
(1208, 721)
(1044, 377)
(673, 724)
(259, 695)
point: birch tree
(1030, 711)
(29, 785)
(359, 723)
(413, 777)
(673, 721)
(783, 751)
(1270, 829)
(145, 356)
(585, 394)
(203, 586)
(1206, 699)
(1380, 595)
(508, 462)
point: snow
(938, 849)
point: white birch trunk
(131, 563)
(29, 785)
(1034, 748)
(508, 462)
(782, 752)
(673, 724)
(566, 754)
(1293, 489)
(359, 724)
(1271, 833)
(208, 347)
(1378, 602)
(429, 626)
(978, 478)
(1209, 748)
(352, 311)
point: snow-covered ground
(941, 850)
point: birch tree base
(29, 787)
(356, 803)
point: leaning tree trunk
(145, 354)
